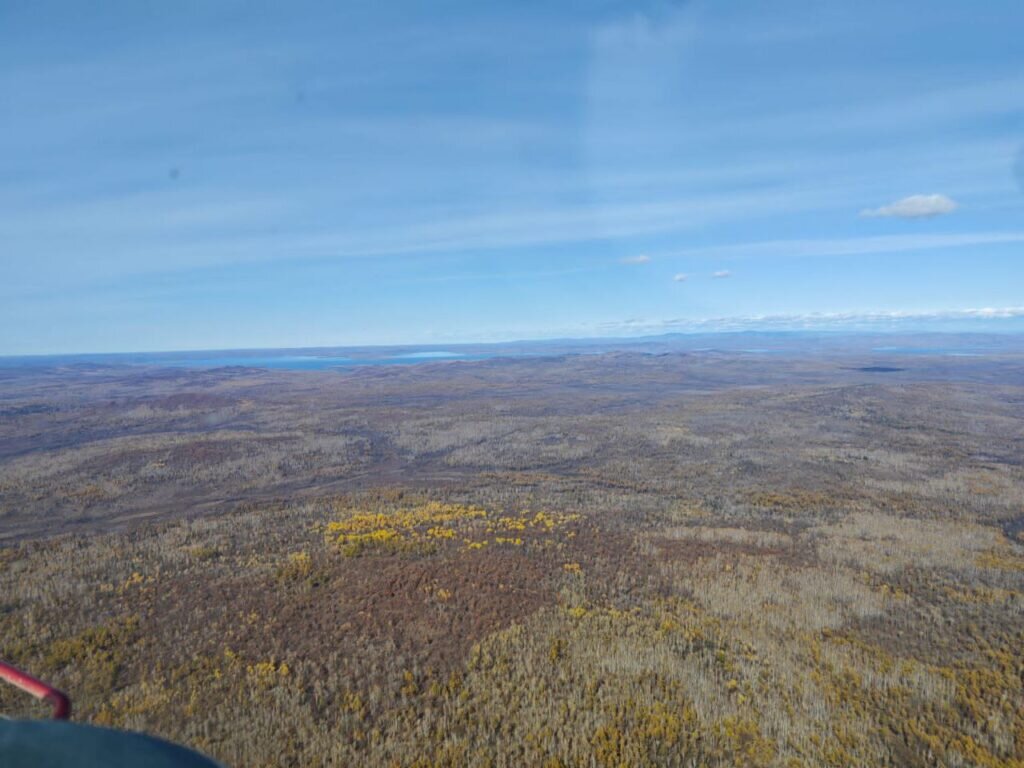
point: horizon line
(638, 337)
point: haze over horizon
(225, 175)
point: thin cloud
(812, 321)
(680, 277)
(854, 246)
(721, 274)
(641, 259)
(914, 207)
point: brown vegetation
(673, 562)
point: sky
(222, 174)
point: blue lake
(340, 358)
(255, 359)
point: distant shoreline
(944, 344)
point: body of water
(287, 359)
(340, 358)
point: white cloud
(641, 259)
(848, 321)
(680, 277)
(914, 207)
(721, 274)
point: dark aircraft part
(61, 703)
(60, 744)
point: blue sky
(239, 174)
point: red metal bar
(61, 704)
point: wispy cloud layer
(640, 259)
(835, 321)
(914, 207)
(721, 274)
(851, 246)
(680, 277)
